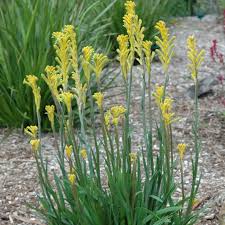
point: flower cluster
(50, 110)
(181, 150)
(114, 115)
(166, 107)
(31, 80)
(99, 97)
(32, 131)
(165, 43)
(195, 57)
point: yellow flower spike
(68, 151)
(62, 45)
(80, 91)
(133, 157)
(139, 38)
(159, 92)
(31, 80)
(85, 62)
(130, 7)
(35, 144)
(53, 80)
(71, 34)
(149, 55)
(128, 23)
(117, 111)
(50, 69)
(165, 43)
(168, 118)
(166, 107)
(50, 110)
(123, 51)
(99, 97)
(100, 61)
(31, 131)
(167, 104)
(181, 150)
(83, 154)
(67, 99)
(195, 57)
(164, 31)
(115, 121)
(135, 32)
(107, 118)
(72, 178)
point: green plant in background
(151, 11)
(221, 5)
(119, 186)
(26, 47)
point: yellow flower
(166, 44)
(166, 107)
(31, 131)
(53, 80)
(133, 157)
(31, 80)
(100, 60)
(107, 118)
(135, 31)
(123, 52)
(149, 55)
(67, 99)
(50, 109)
(117, 112)
(72, 178)
(128, 23)
(139, 38)
(195, 57)
(68, 151)
(83, 154)
(159, 92)
(80, 91)
(72, 48)
(62, 45)
(35, 144)
(130, 7)
(99, 97)
(86, 59)
(181, 150)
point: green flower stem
(112, 155)
(104, 134)
(182, 180)
(117, 147)
(195, 162)
(143, 106)
(127, 150)
(97, 161)
(87, 145)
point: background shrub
(26, 47)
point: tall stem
(97, 163)
(195, 162)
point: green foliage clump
(105, 179)
(26, 47)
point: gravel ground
(18, 181)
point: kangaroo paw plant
(103, 179)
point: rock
(205, 87)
